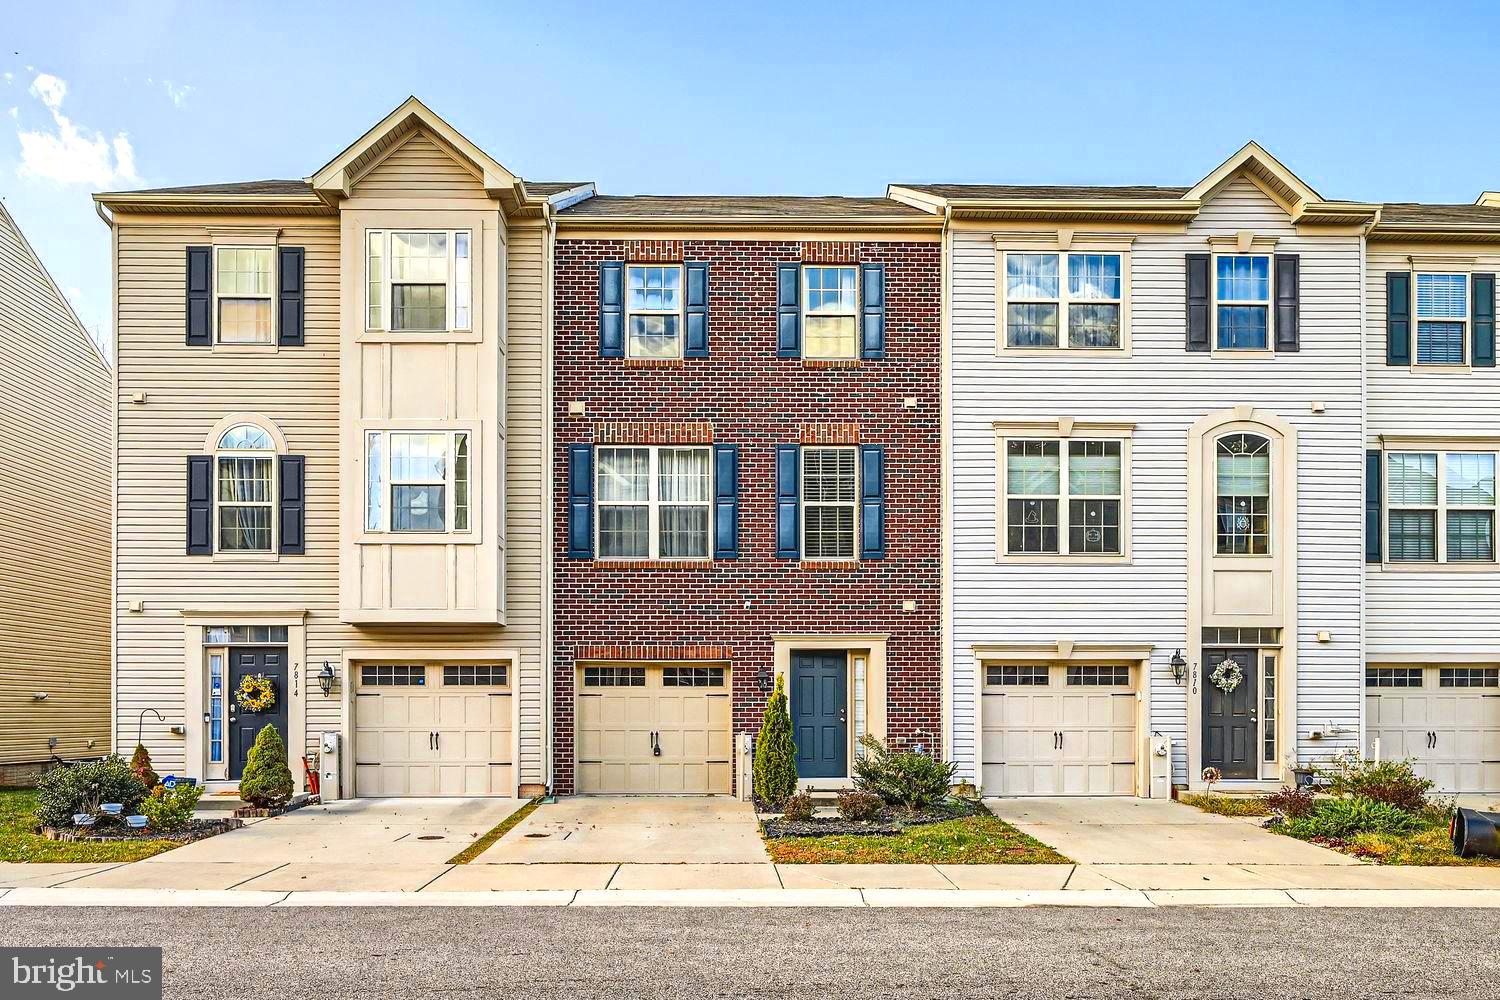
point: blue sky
(1373, 101)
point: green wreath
(256, 693)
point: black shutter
(290, 296)
(292, 522)
(788, 502)
(200, 296)
(1288, 301)
(872, 502)
(1198, 302)
(872, 311)
(695, 341)
(788, 310)
(726, 501)
(1374, 537)
(580, 501)
(200, 505)
(1483, 291)
(612, 310)
(1398, 318)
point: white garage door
(1446, 719)
(653, 730)
(1058, 730)
(433, 730)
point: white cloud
(67, 155)
(178, 93)
(9, 76)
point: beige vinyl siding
(418, 167)
(54, 518)
(1163, 390)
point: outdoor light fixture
(326, 678)
(763, 678)
(1179, 666)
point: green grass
(1228, 805)
(484, 843)
(18, 842)
(1428, 846)
(971, 840)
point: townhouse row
(511, 486)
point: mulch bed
(195, 829)
(889, 823)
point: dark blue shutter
(788, 502)
(1198, 302)
(872, 311)
(726, 501)
(1483, 291)
(612, 310)
(291, 297)
(1288, 301)
(292, 523)
(695, 343)
(1374, 537)
(872, 502)
(580, 501)
(788, 310)
(200, 505)
(200, 296)
(1398, 318)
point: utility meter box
(329, 767)
(1161, 767)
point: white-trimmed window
(1064, 497)
(1242, 302)
(830, 312)
(418, 281)
(1242, 485)
(653, 311)
(654, 502)
(245, 490)
(1440, 507)
(418, 481)
(1064, 300)
(244, 279)
(1442, 318)
(830, 503)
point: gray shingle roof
(716, 206)
(549, 188)
(1440, 215)
(1047, 191)
(267, 187)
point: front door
(820, 713)
(244, 726)
(1229, 720)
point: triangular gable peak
(1295, 196)
(337, 178)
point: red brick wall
(757, 401)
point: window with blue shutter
(872, 502)
(1483, 297)
(580, 501)
(695, 343)
(291, 296)
(1374, 473)
(726, 501)
(200, 295)
(1199, 302)
(292, 513)
(200, 505)
(872, 311)
(788, 311)
(1398, 318)
(612, 310)
(788, 502)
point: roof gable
(1265, 172)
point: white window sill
(1057, 559)
(418, 538)
(1432, 369)
(1439, 567)
(420, 337)
(244, 349)
(246, 557)
(1004, 351)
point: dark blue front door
(245, 726)
(820, 714)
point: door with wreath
(1229, 712)
(257, 687)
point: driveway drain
(431, 836)
(538, 836)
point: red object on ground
(312, 776)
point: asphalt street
(626, 952)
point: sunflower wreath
(256, 693)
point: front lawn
(971, 840)
(18, 842)
(1429, 845)
(1227, 805)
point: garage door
(1058, 730)
(1446, 719)
(653, 730)
(433, 730)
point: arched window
(245, 474)
(1243, 488)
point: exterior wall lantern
(1179, 666)
(326, 677)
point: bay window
(418, 481)
(418, 281)
(1063, 497)
(1063, 300)
(654, 503)
(1441, 506)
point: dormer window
(418, 281)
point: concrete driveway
(624, 829)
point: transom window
(1080, 513)
(654, 503)
(245, 635)
(830, 313)
(1243, 482)
(418, 280)
(1442, 318)
(1469, 677)
(1393, 677)
(417, 481)
(244, 279)
(692, 677)
(1021, 675)
(830, 507)
(392, 675)
(245, 469)
(474, 675)
(653, 306)
(614, 677)
(1242, 301)
(1441, 506)
(1043, 310)
(1090, 675)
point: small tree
(267, 781)
(140, 763)
(776, 752)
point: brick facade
(747, 396)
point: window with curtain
(830, 496)
(654, 503)
(831, 313)
(1442, 318)
(1242, 299)
(418, 481)
(243, 282)
(1440, 506)
(653, 305)
(1243, 489)
(418, 281)
(1044, 310)
(1064, 498)
(245, 469)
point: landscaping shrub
(1393, 782)
(140, 764)
(1338, 819)
(169, 809)
(857, 805)
(1291, 801)
(904, 778)
(267, 781)
(798, 808)
(775, 775)
(81, 787)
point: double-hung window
(1441, 506)
(1442, 318)
(830, 503)
(418, 281)
(244, 278)
(1070, 300)
(418, 481)
(245, 464)
(654, 503)
(1242, 483)
(830, 313)
(1064, 497)
(653, 305)
(1242, 302)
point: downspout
(114, 478)
(548, 489)
(945, 410)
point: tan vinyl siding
(418, 167)
(54, 518)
